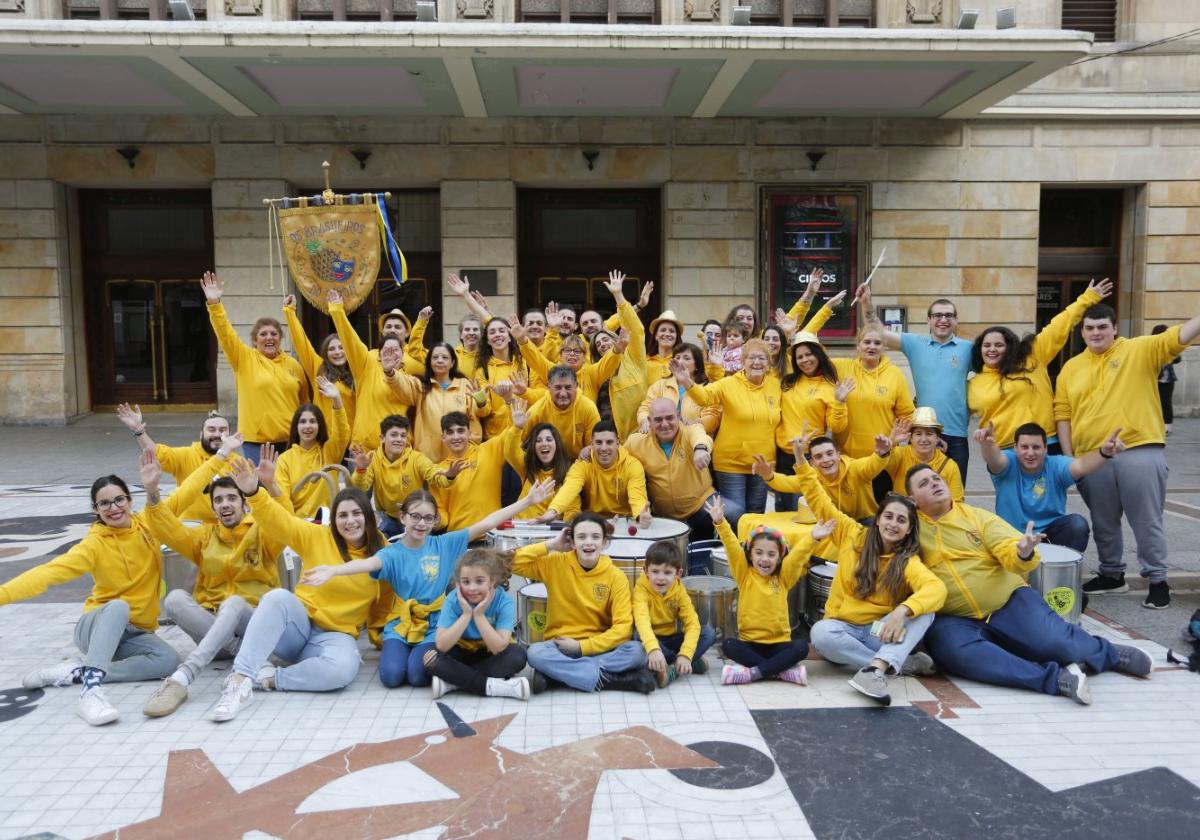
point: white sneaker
(95, 709)
(59, 674)
(514, 687)
(234, 695)
(440, 687)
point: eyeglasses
(574, 351)
(107, 504)
(943, 316)
(424, 518)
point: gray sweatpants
(1133, 483)
(123, 652)
(217, 635)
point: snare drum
(820, 581)
(715, 600)
(660, 529)
(531, 610)
(1059, 577)
(720, 563)
(520, 535)
(629, 555)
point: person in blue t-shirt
(1031, 486)
(474, 643)
(419, 568)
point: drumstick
(870, 276)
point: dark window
(1096, 16)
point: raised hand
(1028, 542)
(459, 285)
(362, 457)
(616, 284)
(150, 471)
(883, 445)
(715, 510)
(762, 468)
(985, 434)
(267, 461)
(520, 413)
(520, 382)
(788, 325)
(814, 285)
(541, 491)
(823, 530)
(131, 417)
(863, 296)
(503, 389)
(289, 300)
(390, 357)
(553, 315)
(682, 375)
(333, 296)
(212, 287)
(716, 353)
(515, 329)
(456, 466)
(425, 314)
(245, 477)
(623, 339)
(843, 389)
(901, 431)
(800, 442)
(231, 443)
(1103, 288)
(644, 297)
(836, 301)
(328, 389)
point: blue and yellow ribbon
(391, 250)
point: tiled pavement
(780, 750)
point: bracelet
(1102, 455)
(139, 432)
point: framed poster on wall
(810, 227)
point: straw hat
(925, 418)
(668, 317)
(395, 313)
(805, 337)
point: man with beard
(566, 409)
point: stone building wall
(954, 203)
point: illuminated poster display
(810, 229)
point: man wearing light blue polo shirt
(939, 362)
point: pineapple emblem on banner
(334, 241)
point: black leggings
(470, 669)
(769, 657)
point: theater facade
(535, 144)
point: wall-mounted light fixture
(130, 154)
(967, 18)
(815, 158)
(362, 156)
(590, 156)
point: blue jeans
(670, 645)
(401, 662)
(583, 672)
(123, 652)
(1071, 530)
(252, 450)
(740, 493)
(1023, 644)
(325, 660)
(390, 527)
(853, 644)
(958, 452)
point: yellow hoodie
(974, 553)
(850, 490)
(589, 605)
(432, 404)
(181, 462)
(810, 400)
(495, 413)
(617, 490)
(905, 458)
(749, 416)
(627, 388)
(1119, 387)
(125, 564)
(514, 454)
(269, 390)
(574, 424)
(297, 462)
(708, 416)
(389, 482)
(418, 352)
(342, 605)
(1012, 401)
(660, 615)
(926, 592)
(677, 488)
(590, 376)
(474, 494)
(762, 608)
(880, 398)
(311, 361)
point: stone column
(479, 231)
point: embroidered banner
(332, 247)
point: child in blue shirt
(474, 642)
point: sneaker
(439, 687)
(637, 680)
(539, 682)
(796, 674)
(873, 683)
(918, 665)
(264, 680)
(1072, 682)
(735, 675)
(514, 687)
(1132, 660)
(1105, 585)
(1159, 596)
(169, 697)
(667, 676)
(60, 675)
(234, 695)
(95, 709)
(699, 666)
